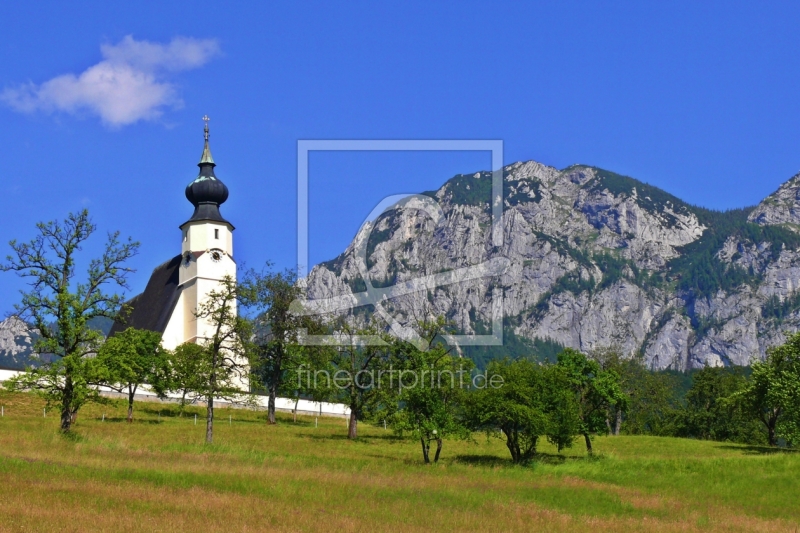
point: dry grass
(156, 475)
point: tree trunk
(66, 405)
(271, 404)
(438, 450)
(588, 443)
(296, 402)
(425, 448)
(771, 438)
(210, 419)
(530, 451)
(273, 387)
(352, 428)
(131, 394)
(618, 422)
(513, 445)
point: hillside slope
(595, 260)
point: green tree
(772, 394)
(596, 392)
(134, 357)
(61, 308)
(224, 366)
(652, 400)
(710, 412)
(649, 398)
(561, 406)
(352, 371)
(276, 354)
(517, 407)
(427, 400)
(525, 401)
(186, 371)
(610, 359)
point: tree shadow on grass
(490, 461)
(166, 411)
(493, 461)
(558, 459)
(387, 438)
(756, 450)
(121, 419)
(369, 439)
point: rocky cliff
(16, 344)
(591, 260)
(17, 341)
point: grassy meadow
(157, 475)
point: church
(170, 300)
(177, 287)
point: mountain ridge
(597, 260)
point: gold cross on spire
(206, 119)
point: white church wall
(174, 333)
(282, 404)
(207, 236)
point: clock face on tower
(187, 259)
(216, 255)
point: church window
(216, 234)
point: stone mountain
(595, 260)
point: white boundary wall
(281, 404)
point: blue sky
(101, 105)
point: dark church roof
(151, 309)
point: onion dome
(206, 192)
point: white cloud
(129, 84)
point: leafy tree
(610, 359)
(652, 400)
(276, 354)
(525, 401)
(518, 407)
(224, 350)
(595, 390)
(649, 398)
(561, 406)
(186, 370)
(709, 412)
(60, 309)
(772, 394)
(430, 407)
(132, 358)
(352, 372)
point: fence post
(104, 417)
(44, 412)
(229, 420)
(195, 419)
(316, 422)
(3, 410)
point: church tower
(206, 253)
